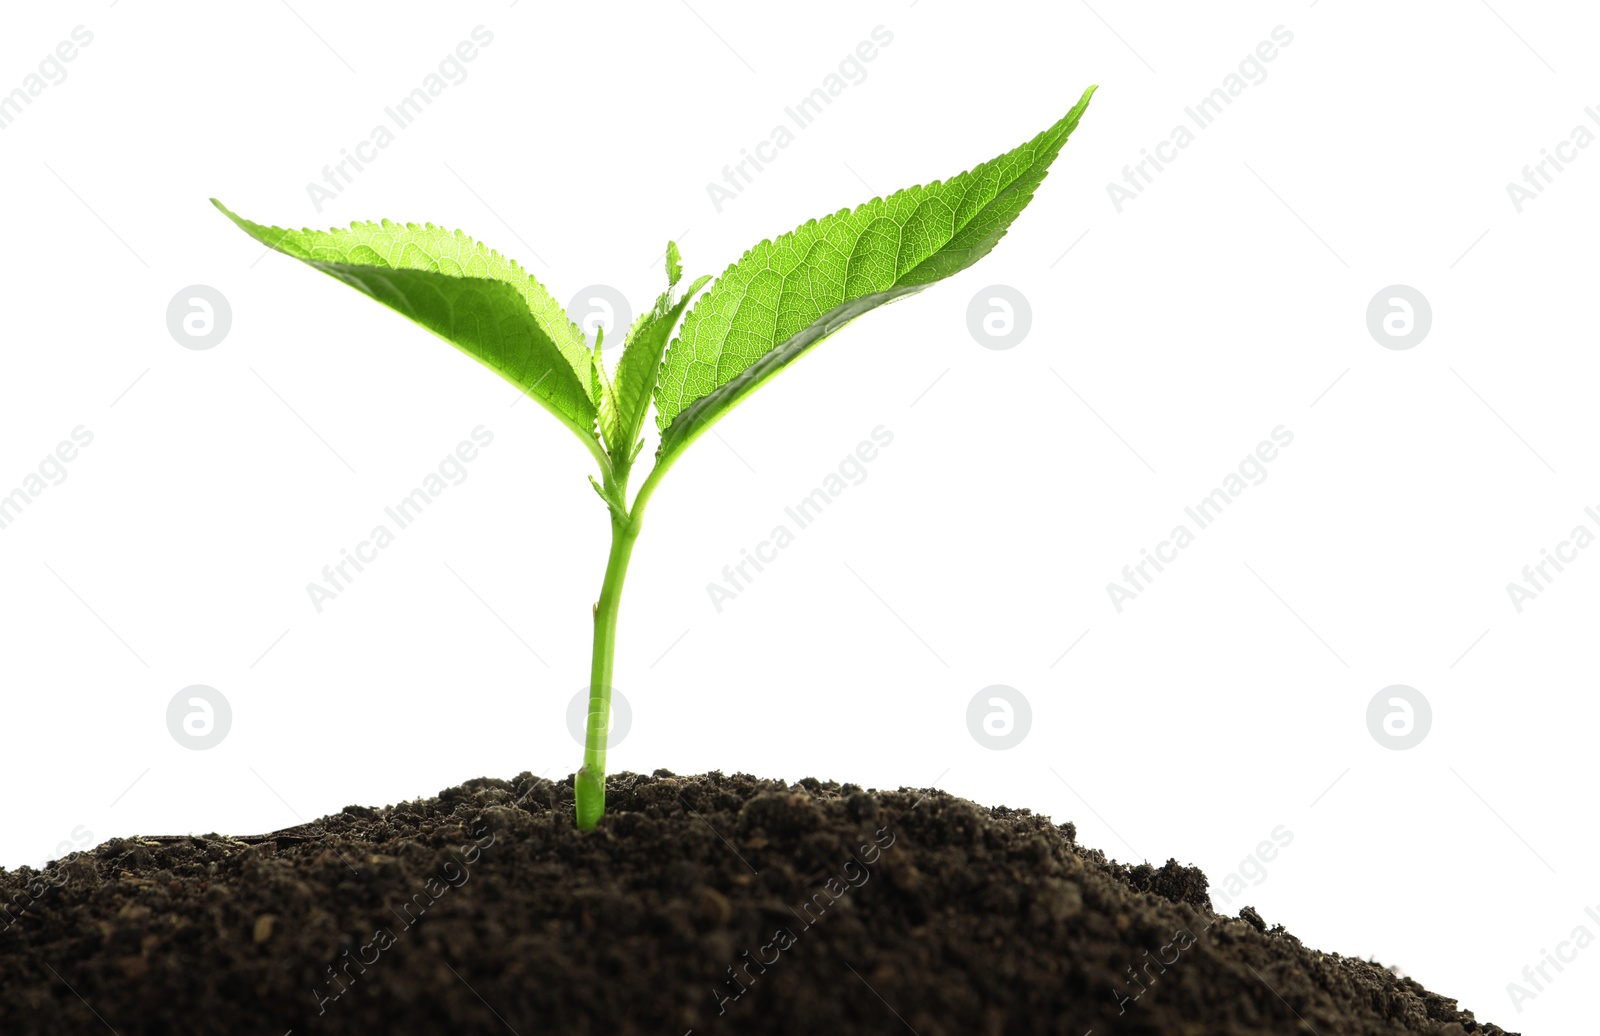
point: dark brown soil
(713, 904)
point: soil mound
(711, 904)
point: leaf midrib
(751, 371)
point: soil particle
(711, 904)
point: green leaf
(674, 266)
(636, 371)
(785, 296)
(599, 384)
(469, 295)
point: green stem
(590, 787)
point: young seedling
(783, 297)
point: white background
(1224, 301)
